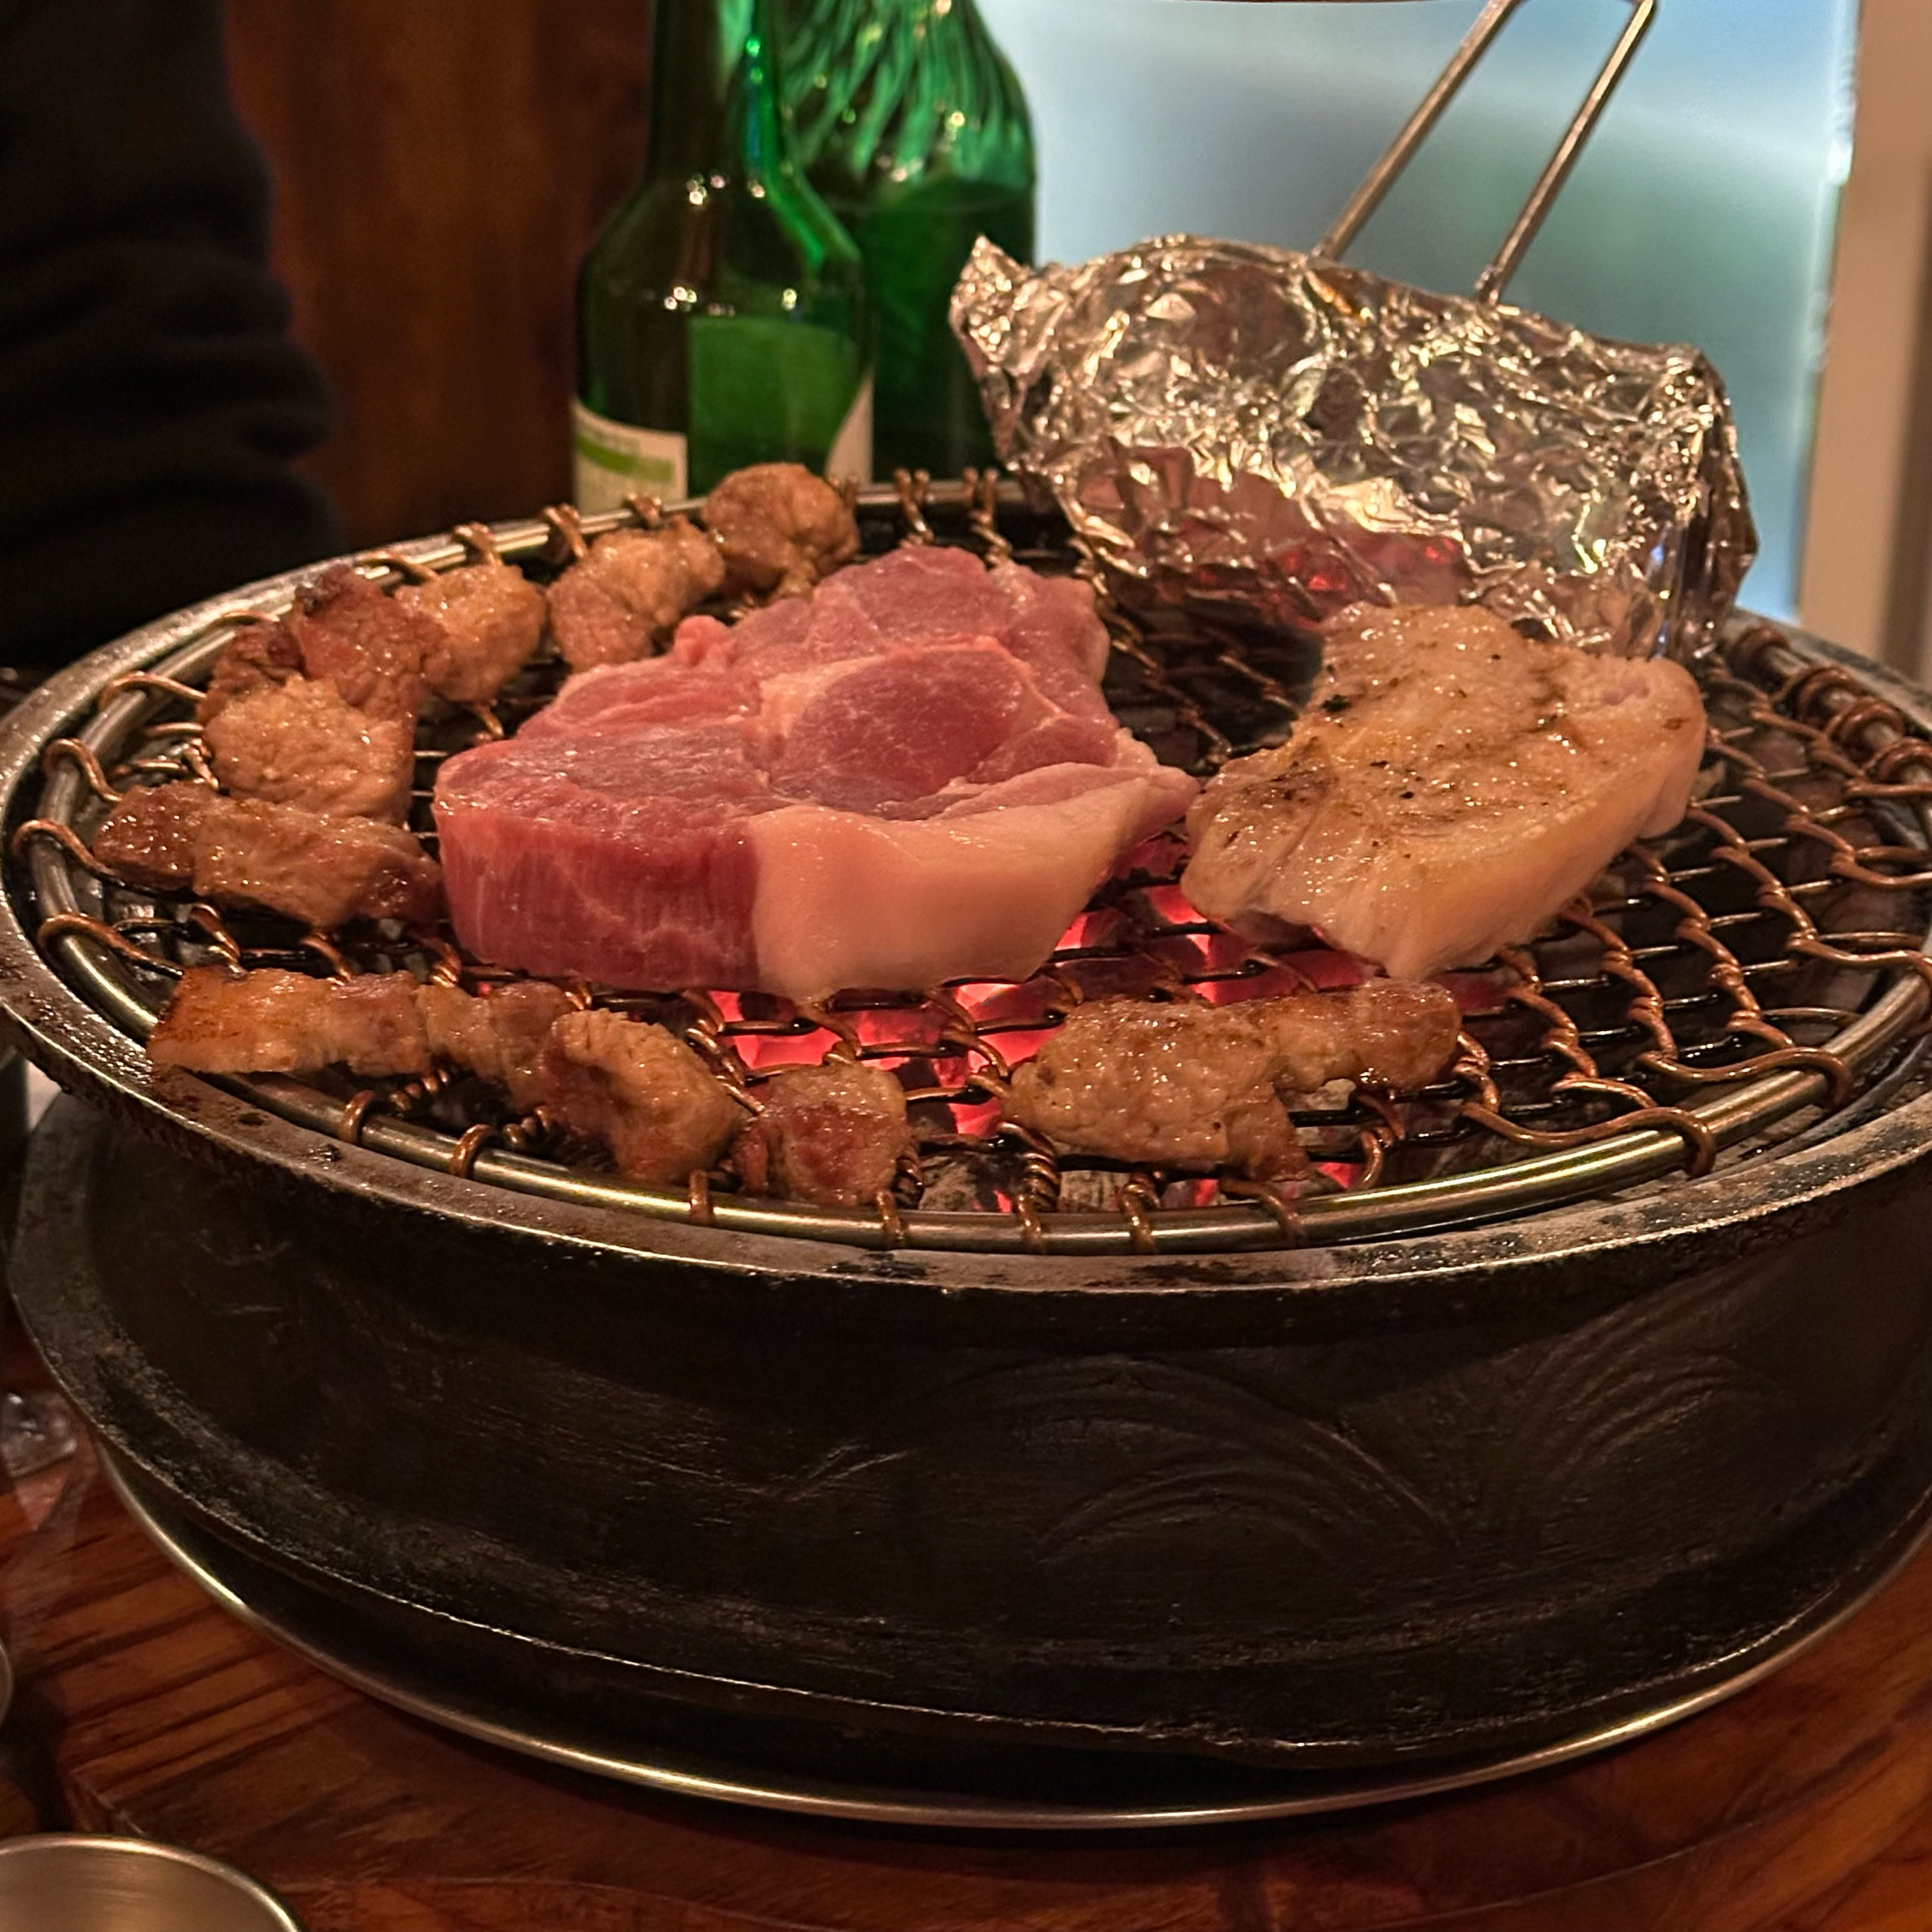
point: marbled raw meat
(911, 777)
(1451, 786)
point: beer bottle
(721, 311)
(908, 120)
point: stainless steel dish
(59, 1882)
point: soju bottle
(721, 312)
(909, 121)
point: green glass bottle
(909, 122)
(722, 316)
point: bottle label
(849, 458)
(615, 460)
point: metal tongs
(1494, 279)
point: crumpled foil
(1249, 432)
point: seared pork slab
(1451, 786)
(249, 852)
(1187, 1084)
(910, 777)
(832, 1134)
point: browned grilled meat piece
(1192, 1085)
(149, 838)
(298, 743)
(237, 851)
(489, 620)
(499, 1036)
(371, 647)
(628, 594)
(270, 1021)
(781, 528)
(644, 1094)
(258, 657)
(832, 1134)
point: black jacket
(150, 402)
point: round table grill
(1574, 1391)
(1722, 983)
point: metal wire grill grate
(1720, 986)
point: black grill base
(549, 1706)
(1003, 1543)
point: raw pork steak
(910, 776)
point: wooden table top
(1803, 1805)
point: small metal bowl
(62, 1882)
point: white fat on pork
(1452, 786)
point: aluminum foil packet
(1252, 432)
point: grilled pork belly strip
(272, 1022)
(644, 1094)
(324, 871)
(832, 1134)
(1191, 1085)
(782, 529)
(371, 648)
(500, 1037)
(298, 743)
(1451, 786)
(258, 657)
(626, 597)
(488, 620)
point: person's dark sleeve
(150, 402)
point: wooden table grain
(1803, 1805)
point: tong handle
(1494, 279)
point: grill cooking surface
(1724, 985)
